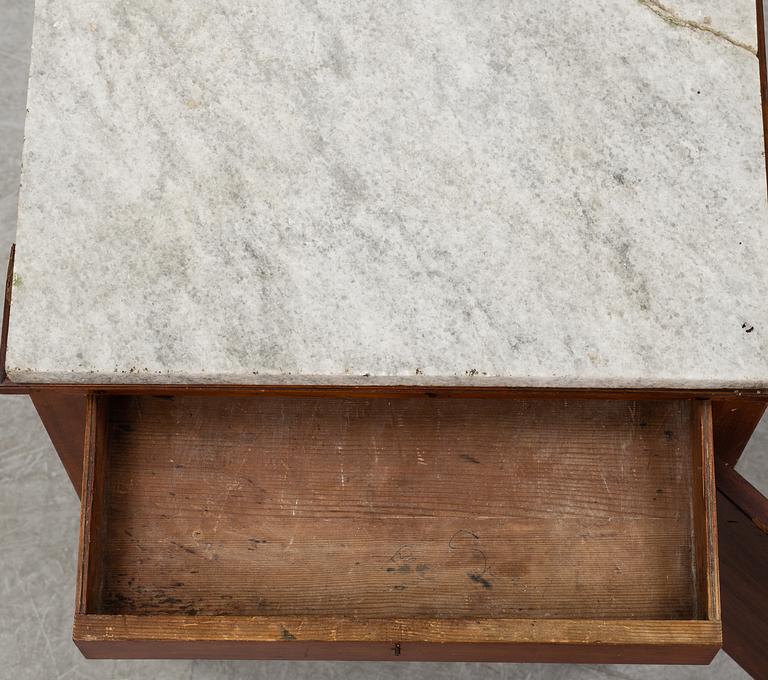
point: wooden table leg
(743, 543)
(63, 415)
(733, 422)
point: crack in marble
(671, 17)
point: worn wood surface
(402, 508)
(704, 513)
(584, 641)
(63, 415)
(744, 585)
(93, 521)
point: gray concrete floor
(39, 510)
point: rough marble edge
(530, 381)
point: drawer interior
(295, 508)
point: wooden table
(379, 332)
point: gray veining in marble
(493, 192)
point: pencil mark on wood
(403, 554)
(468, 540)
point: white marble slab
(442, 192)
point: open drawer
(408, 526)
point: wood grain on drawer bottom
(284, 527)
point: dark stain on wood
(478, 578)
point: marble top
(388, 192)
